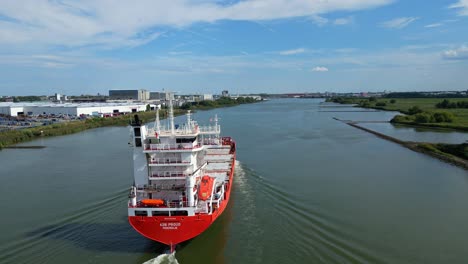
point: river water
(308, 189)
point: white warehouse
(74, 109)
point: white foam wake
(163, 259)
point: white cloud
(399, 23)
(441, 23)
(292, 52)
(319, 20)
(434, 25)
(462, 5)
(320, 69)
(460, 53)
(129, 23)
(343, 21)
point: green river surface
(307, 189)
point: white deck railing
(168, 161)
(167, 174)
(184, 130)
(181, 146)
(211, 141)
(210, 129)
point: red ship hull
(172, 230)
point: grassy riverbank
(456, 154)
(418, 111)
(457, 150)
(222, 102)
(12, 137)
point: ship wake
(163, 259)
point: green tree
(424, 118)
(414, 110)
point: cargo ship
(183, 177)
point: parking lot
(20, 122)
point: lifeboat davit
(152, 202)
(206, 187)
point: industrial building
(139, 95)
(162, 96)
(96, 109)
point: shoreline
(12, 137)
(429, 149)
(355, 102)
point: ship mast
(157, 124)
(171, 116)
(189, 126)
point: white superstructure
(170, 162)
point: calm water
(308, 189)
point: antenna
(189, 127)
(171, 115)
(157, 124)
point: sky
(250, 46)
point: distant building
(162, 96)
(73, 109)
(140, 95)
(225, 93)
(207, 97)
(156, 95)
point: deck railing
(168, 161)
(184, 130)
(181, 146)
(167, 174)
(160, 187)
(170, 204)
(209, 141)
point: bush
(372, 99)
(446, 104)
(364, 104)
(401, 119)
(414, 110)
(381, 104)
(186, 106)
(443, 117)
(392, 101)
(424, 118)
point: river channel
(307, 189)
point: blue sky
(250, 46)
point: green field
(428, 105)
(460, 120)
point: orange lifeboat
(152, 202)
(206, 186)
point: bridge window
(179, 213)
(137, 142)
(160, 213)
(141, 213)
(137, 132)
(185, 140)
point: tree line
(446, 104)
